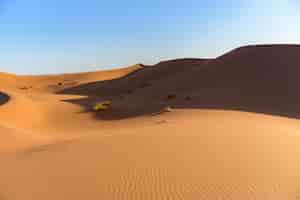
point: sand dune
(58, 82)
(54, 147)
(260, 79)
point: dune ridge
(261, 79)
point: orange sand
(51, 149)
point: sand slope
(28, 105)
(53, 147)
(207, 155)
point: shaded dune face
(4, 98)
(261, 79)
(139, 79)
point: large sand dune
(245, 146)
(262, 79)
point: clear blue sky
(54, 36)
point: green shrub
(102, 106)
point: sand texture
(187, 129)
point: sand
(53, 147)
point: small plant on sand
(102, 106)
(188, 98)
(144, 85)
(171, 96)
(167, 109)
(23, 88)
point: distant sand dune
(52, 83)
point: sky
(64, 36)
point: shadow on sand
(260, 79)
(4, 98)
